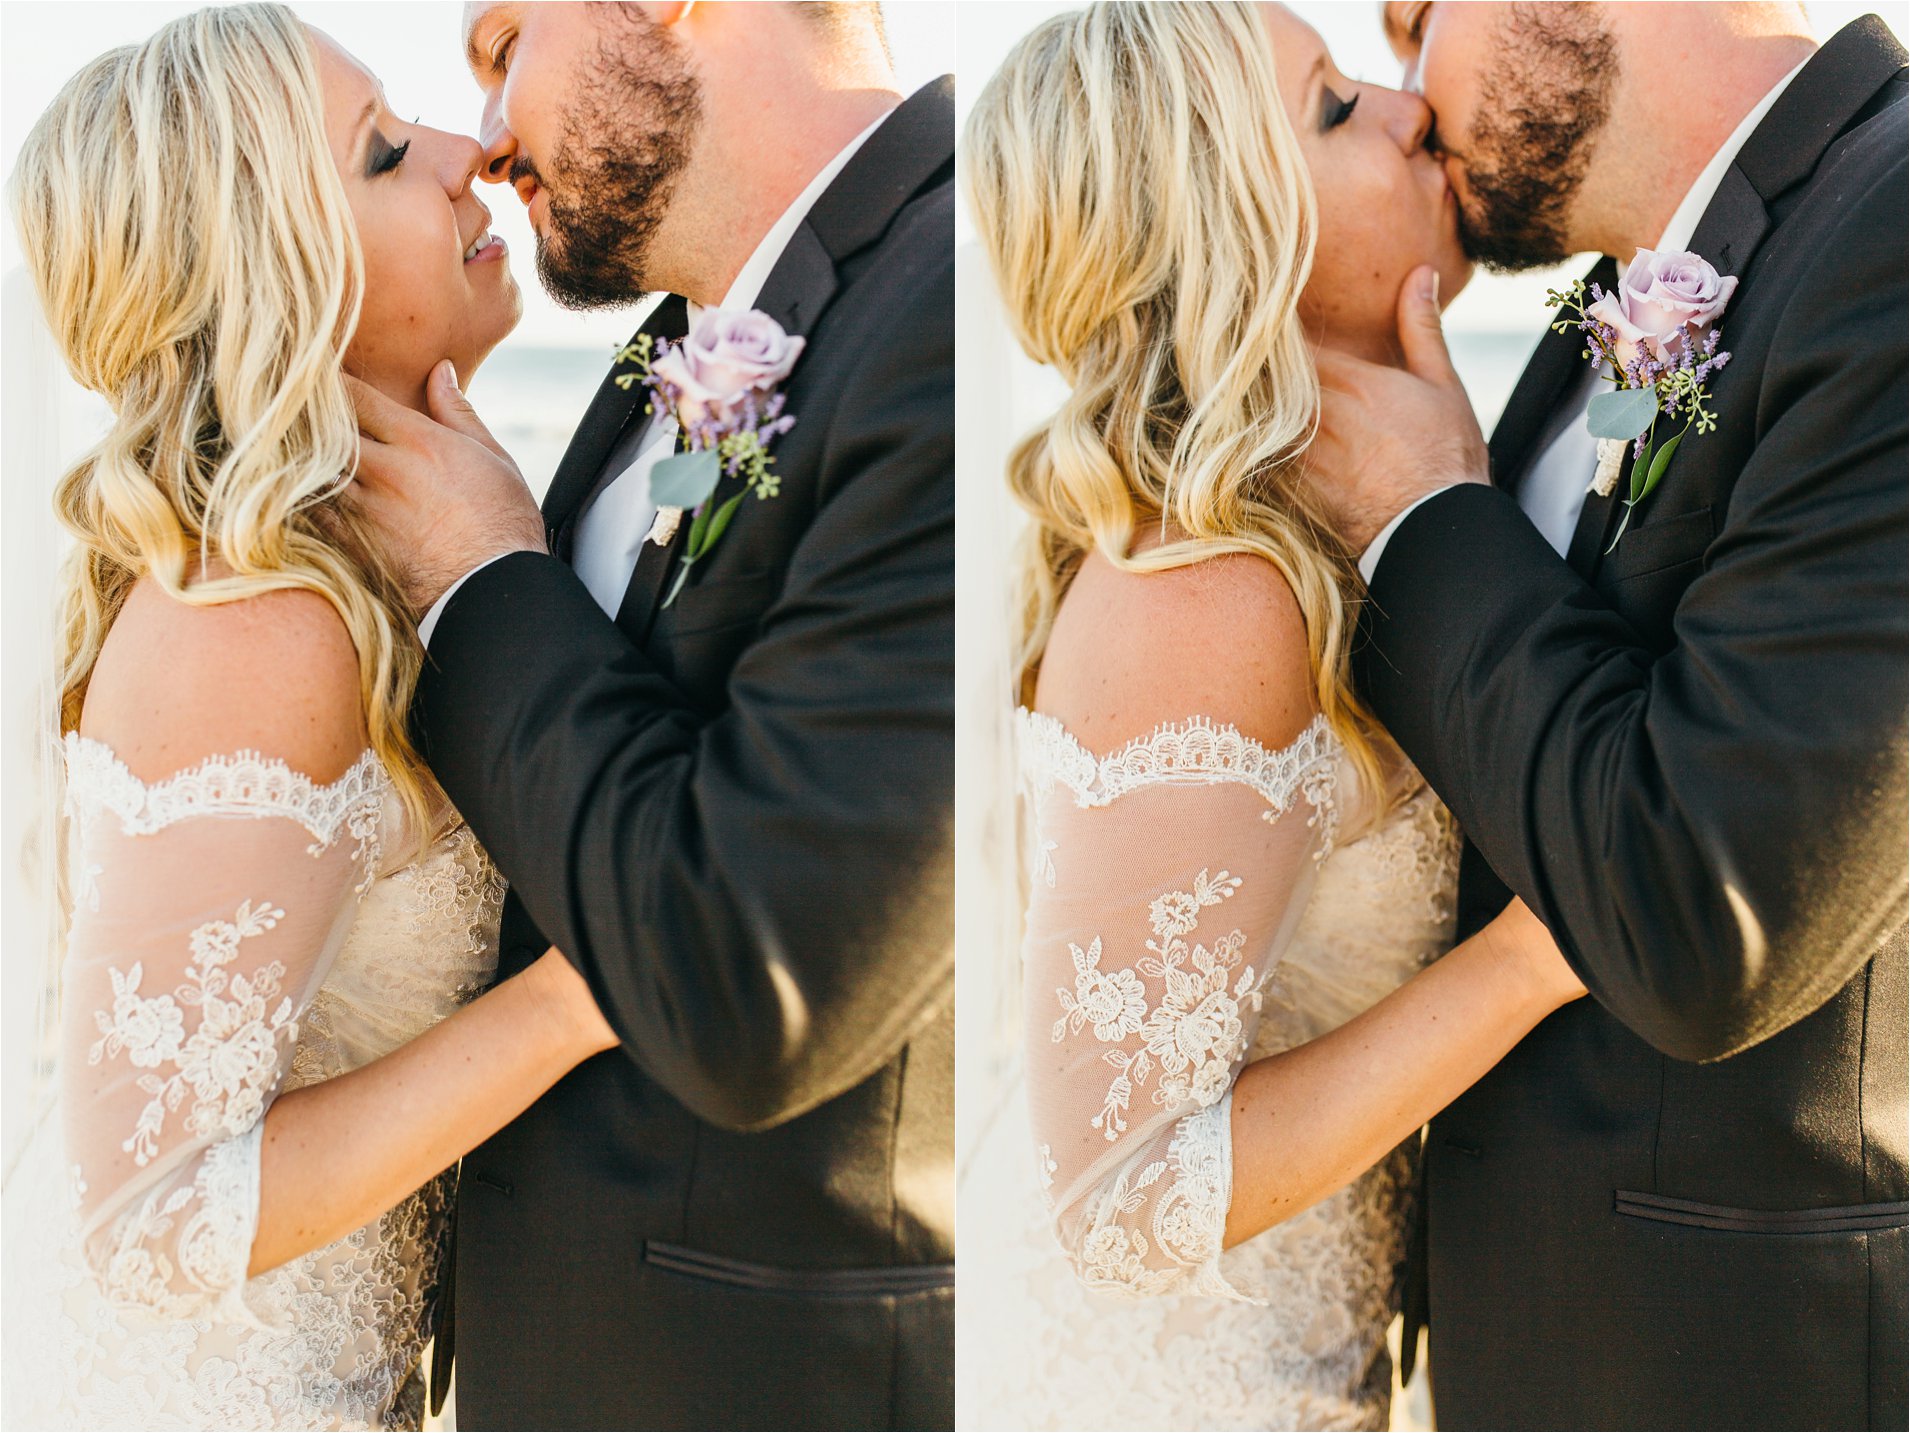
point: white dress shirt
(1553, 491)
(613, 528)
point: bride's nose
(464, 157)
(1410, 120)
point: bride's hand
(1523, 941)
(570, 1002)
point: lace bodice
(1199, 900)
(238, 931)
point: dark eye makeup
(1335, 111)
(382, 156)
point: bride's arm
(339, 1153)
(1311, 1119)
(209, 910)
(1165, 899)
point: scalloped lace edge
(1193, 751)
(243, 783)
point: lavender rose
(726, 356)
(1663, 296)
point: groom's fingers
(379, 419)
(450, 407)
(1421, 336)
(1340, 372)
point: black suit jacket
(1688, 756)
(734, 816)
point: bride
(234, 1215)
(1233, 1025)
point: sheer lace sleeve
(207, 909)
(1168, 879)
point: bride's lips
(489, 248)
(483, 246)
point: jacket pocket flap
(769, 1278)
(1836, 1219)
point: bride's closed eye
(1335, 111)
(383, 156)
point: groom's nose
(500, 145)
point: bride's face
(1385, 207)
(410, 193)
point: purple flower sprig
(734, 432)
(741, 439)
(1678, 378)
(1674, 368)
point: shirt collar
(747, 286)
(1684, 219)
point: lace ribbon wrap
(1169, 876)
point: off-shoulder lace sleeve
(1168, 878)
(207, 910)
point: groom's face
(590, 114)
(1520, 94)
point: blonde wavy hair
(193, 250)
(1150, 223)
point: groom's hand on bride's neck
(444, 496)
(1390, 436)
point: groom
(729, 805)
(1680, 1204)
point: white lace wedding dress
(1198, 901)
(238, 931)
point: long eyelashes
(1336, 111)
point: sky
(1490, 303)
(416, 48)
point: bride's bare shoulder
(176, 683)
(1223, 638)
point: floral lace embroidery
(227, 1064)
(1043, 1349)
(214, 1244)
(1193, 1035)
(1195, 752)
(333, 1338)
(1195, 1038)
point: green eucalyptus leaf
(699, 525)
(683, 480)
(721, 521)
(1659, 464)
(1623, 414)
(1635, 489)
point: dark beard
(624, 141)
(1548, 94)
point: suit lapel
(604, 422)
(905, 154)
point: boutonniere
(1656, 340)
(721, 384)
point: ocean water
(1489, 362)
(532, 400)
